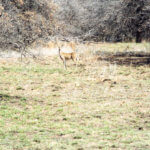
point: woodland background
(24, 22)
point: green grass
(94, 106)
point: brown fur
(66, 56)
(20, 2)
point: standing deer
(66, 55)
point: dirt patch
(126, 58)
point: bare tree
(22, 22)
(105, 20)
(135, 19)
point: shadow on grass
(125, 58)
(6, 97)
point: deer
(67, 55)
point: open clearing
(96, 105)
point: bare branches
(26, 21)
(23, 22)
(99, 20)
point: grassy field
(96, 105)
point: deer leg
(74, 58)
(64, 62)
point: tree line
(106, 20)
(23, 22)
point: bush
(23, 22)
(105, 20)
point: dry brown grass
(97, 105)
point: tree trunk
(138, 37)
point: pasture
(96, 105)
